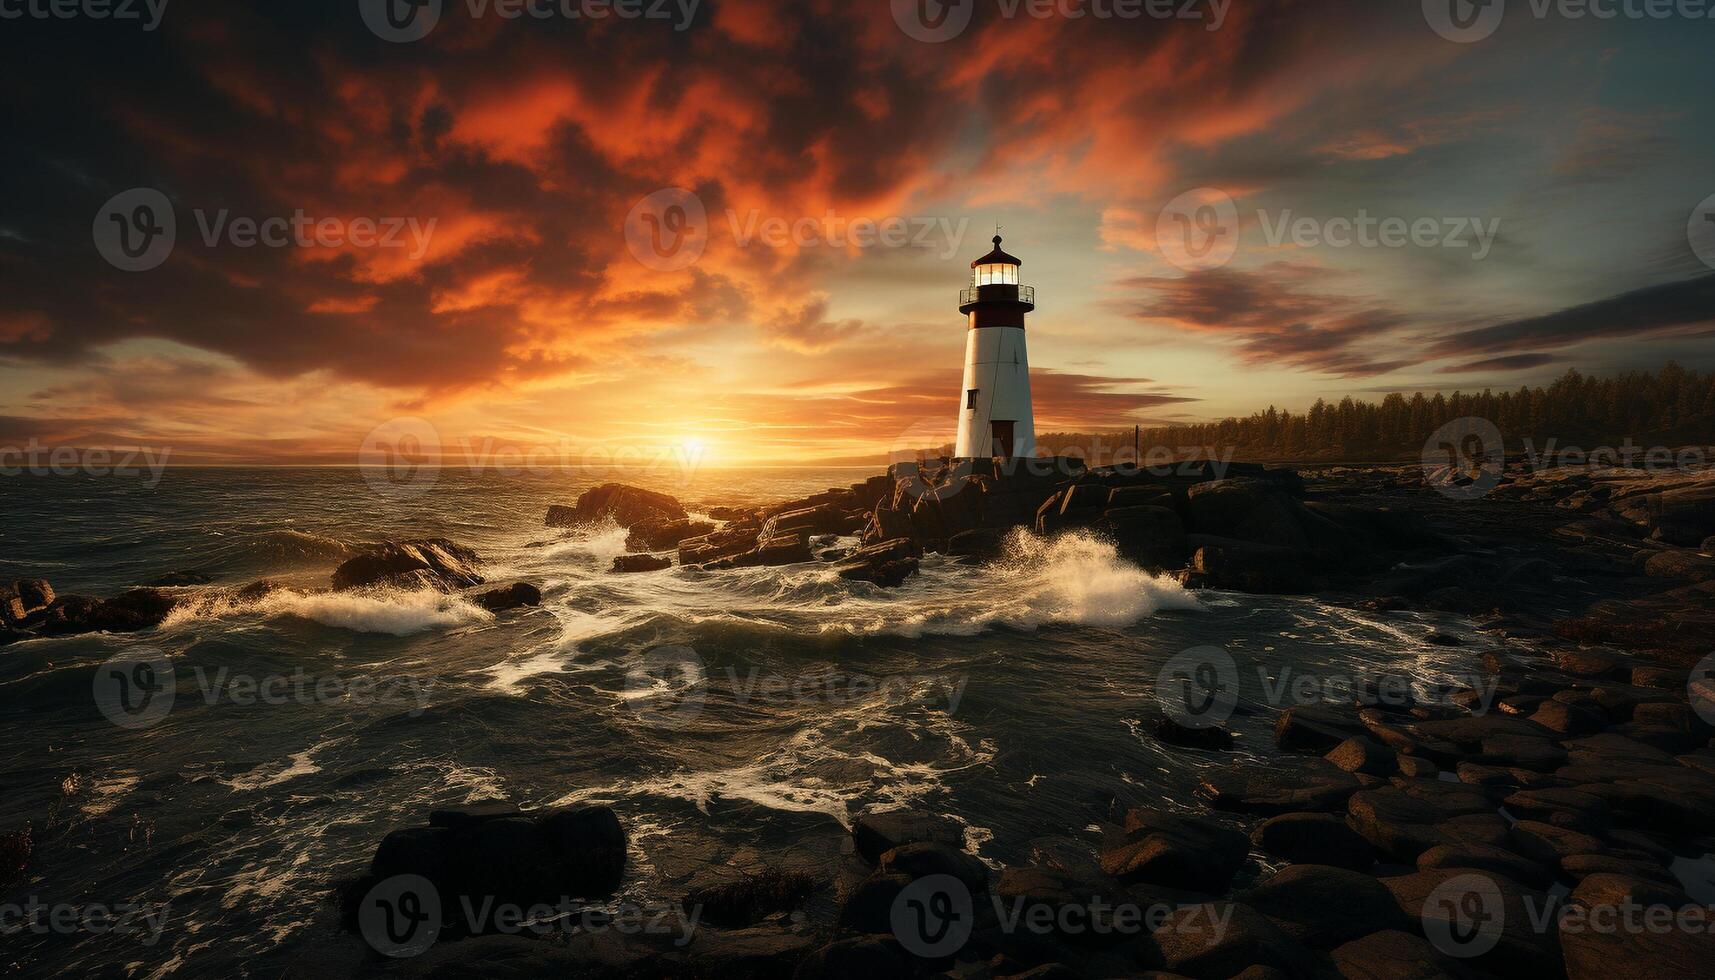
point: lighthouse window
(996, 274)
(971, 397)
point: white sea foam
(397, 612)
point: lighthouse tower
(994, 406)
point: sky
(742, 226)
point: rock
(885, 525)
(743, 901)
(887, 563)
(68, 614)
(511, 597)
(1590, 663)
(1417, 768)
(1400, 821)
(1176, 850)
(1485, 857)
(1547, 844)
(786, 548)
(626, 505)
(868, 907)
(874, 834)
(131, 611)
(1683, 564)
(1307, 785)
(1591, 951)
(23, 600)
(1362, 755)
(1523, 752)
(640, 563)
(1153, 537)
(469, 814)
(1519, 949)
(925, 858)
(1323, 906)
(180, 579)
(1246, 566)
(980, 543)
(1315, 728)
(1170, 732)
(858, 958)
(1395, 955)
(1582, 866)
(821, 519)
(1591, 812)
(1190, 943)
(438, 561)
(662, 535)
(1568, 720)
(717, 545)
(1314, 838)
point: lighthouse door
(1001, 429)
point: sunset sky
(528, 319)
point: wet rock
(22, 601)
(981, 543)
(1323, 906)
(469, 814)
(1683, 564)
(1400, 821)
(1590, 663)
(1546, 843)
(1588, 812)
(767, 950)
(1176, 850)
(1362, 755)
(1314, 838)
(821, 519)
(858, 958)
(513, 596)
(436, 560)
(1395, 955)
(876, 833)
(887, 563)
(665, 534)
(627, 506)
(1315, 728)
(869, 905)
(1246, 566)
(1581, 866)
(1293, 785)
(1519, 948)
(1599, 954)
(1170, 732)
(1151, 536)
(1522, 752)
(1417, 768)
(1568, 720)
(66, 615)
(717, 545)
(733, 902)
(1485, 857)
(640, 563)
(925, 858)
(1191, 944)
(131, 611)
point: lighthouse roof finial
(996, 257)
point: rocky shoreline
(1475, 833)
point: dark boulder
(857, 958)
(22, 601)
(925, 858)
(434, 561)
(874, 834)
(1323, 906)
(513, 596)
(1176, 850)
(640, 563)
(734, 902)
(1153, 537)
(1190, 943)
(887, 563)
(1395, 954)
(665, 534)
(1314, 838)
(728, 542)
(1285, 787)
(627, 506)
(821, 519)
(981, 543)
(1246, 566)
(133, 610)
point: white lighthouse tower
(995, 418)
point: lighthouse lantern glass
(996, 274)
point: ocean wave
(286, 544)
(396, 612)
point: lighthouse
(995, 418)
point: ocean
(730, 718)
